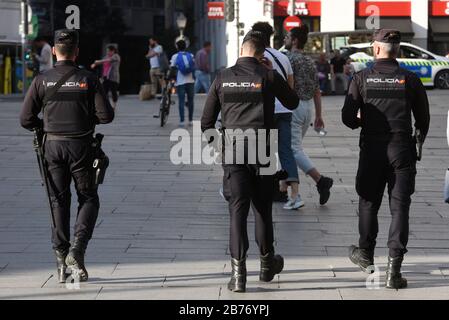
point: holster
(101, 160)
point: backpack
(184, 63)
(163, 62)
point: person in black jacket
(381, 100)
(245, 95)
(68, 120)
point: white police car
(432, 69)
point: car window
(411, 53)
(368, 50)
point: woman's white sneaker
(293, 204)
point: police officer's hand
(319, 122)
(93, 65)
(266, 62)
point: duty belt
(397, 136)
(56, 137)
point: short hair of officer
(253, 45)
(385, 50)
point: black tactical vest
(71, 110)
(242, 108)
(385, 109)
(242, 100)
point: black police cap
(387, 35)
(66, 36)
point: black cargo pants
(243, 188)
(66, 160)
(386, 162)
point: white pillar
(337, 15)
(420, 22)
(250, 11)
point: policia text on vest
(246, 106)
(69, 117)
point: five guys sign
(215, 10)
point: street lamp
(181, 21)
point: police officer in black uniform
(69, 118)
(245, 95)
(381, 100)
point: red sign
(301, 8)
(291, 22)
(384, 8)
(439, 8)
(215, 10)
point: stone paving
(162, 232)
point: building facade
(422, 22)
(10, 47)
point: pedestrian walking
(110, 73)
(381, 100)
(185, 63)
(241, 107)
(337, 71)
(202, 71)
(45, 57)
(323, 68)
(283, 119)
(156, 55)
(72, 103)
(307, 87)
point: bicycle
(166, 100)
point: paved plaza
(162, 231)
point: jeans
(283, 124)
(202, 81)
(301, 118)
(182, 90)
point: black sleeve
(32, 106)
(286, 95)
(353, 103)
(104, 112)
(419, 104)
(212, 107)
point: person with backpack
(185, 83)
(158, 64)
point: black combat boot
(61, 265)
(75, 260)
(238, 276)
(362, 257)
(270, 265)
(394, 276)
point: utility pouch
(101, 160)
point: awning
(439, 29)
(404, 25)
